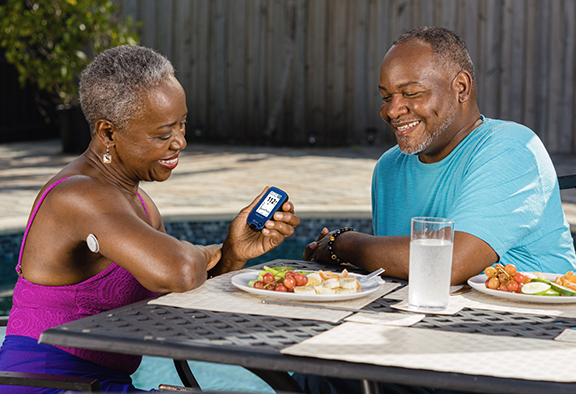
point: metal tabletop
(254, 342)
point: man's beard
(429, 137)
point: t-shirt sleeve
(504, 193)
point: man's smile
(407, 126)
(403, 130)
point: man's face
(417, 99)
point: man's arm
(471, 254)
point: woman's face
(148, 148)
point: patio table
(255, 342)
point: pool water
(211, 377)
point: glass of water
(431, 246)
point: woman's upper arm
(158, 261)
(153, 211)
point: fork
(370, 275)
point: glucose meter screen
(268, 204)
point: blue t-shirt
(498, 184)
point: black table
(254, 342)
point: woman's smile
(170, 163)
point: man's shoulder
(504, 136)
(393, 156)
(393, 153)
(506, 129)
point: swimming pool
(155, 370)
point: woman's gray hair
(114, 84)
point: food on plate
(321, 289)
(539, 275)
(535, 288)
(304, 290)
(507, 278)
(556, 289)
(285, 279)
(562, 290)
(348, 283)
(342, 290)
(567, 280)
(331, 283)
(314, 279)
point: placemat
(477, 300)
(418, 348)
(386, 319)
(219, 294)
(568, 335)
(455, 305)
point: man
(493, 178)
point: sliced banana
(331, 283)
(320, 289)
(304, 290)
(314, 279)
(348, 283)
(342, 290)
(316, 285)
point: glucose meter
(266, 207)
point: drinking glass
(431, 246)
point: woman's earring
(107, 159)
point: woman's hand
(212, 253)
(243, 244)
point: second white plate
(477, 282)
(241, 282)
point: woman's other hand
(212, 253)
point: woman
(95, 241)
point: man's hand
(318, 250)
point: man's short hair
(114, 84)
(446, 45)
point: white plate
(241, 282)
(477, 282)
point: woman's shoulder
(79, 190)
(75, 185)
(71, 189)
(78, 172)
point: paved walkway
(215, 182)
(210, 182)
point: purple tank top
(37, 308)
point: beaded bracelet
(331, 243)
